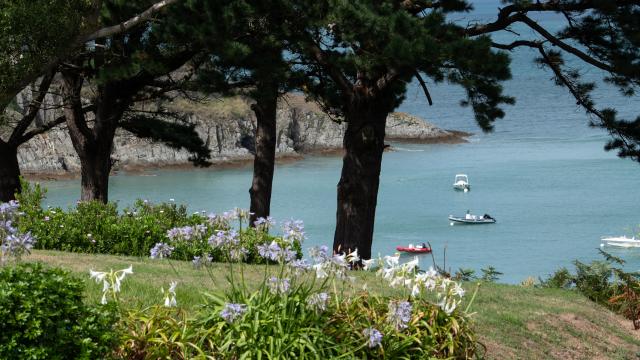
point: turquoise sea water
(542, 174)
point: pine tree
(121, 70)
(359, 55)
(245, 44)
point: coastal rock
(227, 126)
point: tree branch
(72, 86)
(128, 24)
(335, 74)
(581, 100)
(423, 85)
(50, 125)
(34, 107)
(564, 46)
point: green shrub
(161, 333)
(561, 279)
(490, 274)
(43, 317)
(604, 282)
(94, 227)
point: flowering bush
(44, 317)
(309, 309)
(93, 227)
(215, 240)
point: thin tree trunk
(265, 150)
(9, 172)
(358, 187)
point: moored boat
(461, 182)
(472, 219)
(620, 241)
(414, 249)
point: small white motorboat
(461, 182)
(620, 241)
(472, 219)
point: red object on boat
(414, 249)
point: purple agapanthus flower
(299, 265)
(278, 286)
(161, 250)
(231, 312)
(275, 252)
(9, 208)
(264, 223)
(319, 254)
(399, 314)
(237, 253)
(374, 337)
(224, 238)
(293, 230)
(318, 302)
(17, 245)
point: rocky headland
(227, 126)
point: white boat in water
(472, 219)
(461, 182)
(620, 241)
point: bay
(542, 173)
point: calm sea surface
(542, 174)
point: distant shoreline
(456, 137)
(228, 129)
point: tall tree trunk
(358, 187)
(93, 145)
(9, 172)
(95, 168)
(265, 149)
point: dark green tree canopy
(600, 34)
(31, 34)
(381, 46)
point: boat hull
(413, 250)
(622, 245)
(459, 220)
(461, 187)
(622, 241)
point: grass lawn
(513, 321)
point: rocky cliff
(228, 128)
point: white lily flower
(320, 272)
(430, 284)
(415, 291)
(392, 260)
(128, 270)
(458, 290)
(353, 257)
(368, 264)
(431, 272)
(411, 265)
(97, 275)
(172, 287)
(396, 281)
(116, 285)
